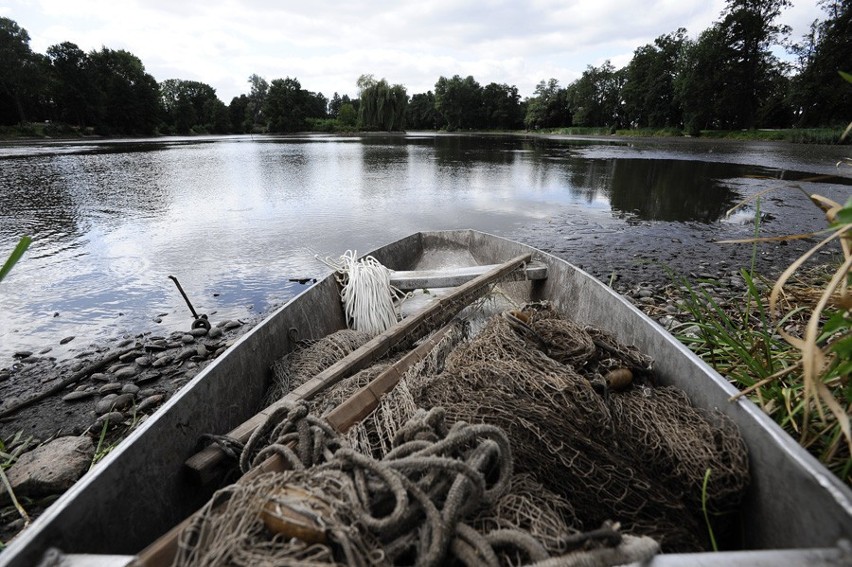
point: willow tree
(382, 106)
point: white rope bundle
(367, 293)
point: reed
(788, 344)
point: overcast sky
(327, 45)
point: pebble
(109, 388)
(174, 344)
(80, 395)
(30, 360)
(157, 320)
(232, 325)
(5, 374)
(100, 377)
(150, 402)
(66, 340)
(645, 293)
(200, 332)
(45, 350)
(23, 354)
(105, 404)
(125, 342)
(187, 339)
(128, 356)
(146, 392)
(130, 389)
(201, 350)
(186, 354)
(113, 417)
(150, 377)
(162, 361)
(143, 361)
(214, 333)
(127, 372)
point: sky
(327, 45)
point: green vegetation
(789, 348)
(725, 81)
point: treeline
(725, 79)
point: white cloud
(327, 45)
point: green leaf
(19, 250)
(843, 347)
(844, 215)
(847, 76)
(836, 322)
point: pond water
(236, 218)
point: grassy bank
(793, 135)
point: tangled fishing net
(429, 501)
(536, 439)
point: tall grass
(788, 344)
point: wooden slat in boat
(407, 280)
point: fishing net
(430, 501)
(558, 418)
(591, 459)
(310, 358)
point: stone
(127, 372)
(109, 388)
(105, 404)
(162, 361)
(129, 356)
(23, 354)
(45, 350)
(130, 389)
(30, 360)
(125, 343)
(232, 325)
(200, 332)
(150, 402)
(122, 401)
(187, 339)
(100, 377)
(66, 340)
(148, 377)
(52, 468)
(113, 417)
(201, 350)
(186, 354)
(214, 333)
(77, 395)
(143, 361)
(157, 319)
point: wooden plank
(407, 280)
(355, 408)
(360, 404)
(202, 464)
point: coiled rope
(366, 293)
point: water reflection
(235, 217)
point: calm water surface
(235, 218)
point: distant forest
(725, 79)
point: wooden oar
(355, 408)
(203, 463)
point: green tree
(820, 96)
(501, 107)
(256, 101)
(17, 71)
(286, 106)
(750, 29)
(237, 113)
(129, 97)
(548, 108)
(595, 98)
(649, 91)
(191, 106)
(421, 113)
(702, 82)
(459, 102)
(72, 84)
(382, 106)
(347, 115)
